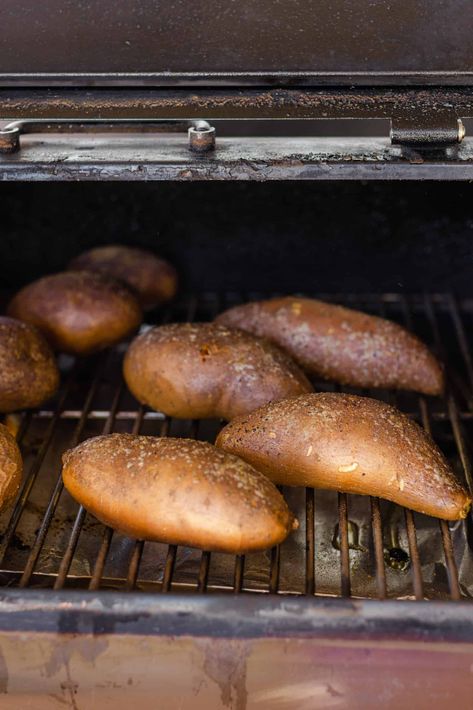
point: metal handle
(201, 134)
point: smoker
(264, 148)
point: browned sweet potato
(78, 312)
(29, 374)
(11, 467)
(178, 491)
(205, 370)
(153, 279)
(348, 443)
(342, 344)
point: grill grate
(346, 545)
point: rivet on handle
(201, 137)
(9, 139)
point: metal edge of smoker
(227, 616)
(235, 79)
(141, 103)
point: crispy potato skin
(178, 491)
(341, 344)
(11, 467)
(78, 312)
(29, 374)
(352, 444)
(154, 280)
(205, 370)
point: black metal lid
(264, 42)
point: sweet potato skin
(205, 370)
(78, 312)
(178, 491)
(351, 444)
(11, 467)
(29, 374)
(342, 344)
(153, 279)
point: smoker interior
(398, 250)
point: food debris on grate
(346, 545)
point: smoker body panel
(110, 651)
(111, 672)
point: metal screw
(461, 130)
(9, 139)
(201, 137)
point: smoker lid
(304, 42)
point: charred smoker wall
(282, 236)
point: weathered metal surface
(155, 104)
(227, 616)
(145, 158)
(116, 672)
(311, 41)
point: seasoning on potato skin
(205, 370)
(11, 467)
(351, 444)
(152, 278)
(29, 374)
(78, 312)
(178, 491)
(342, 344)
